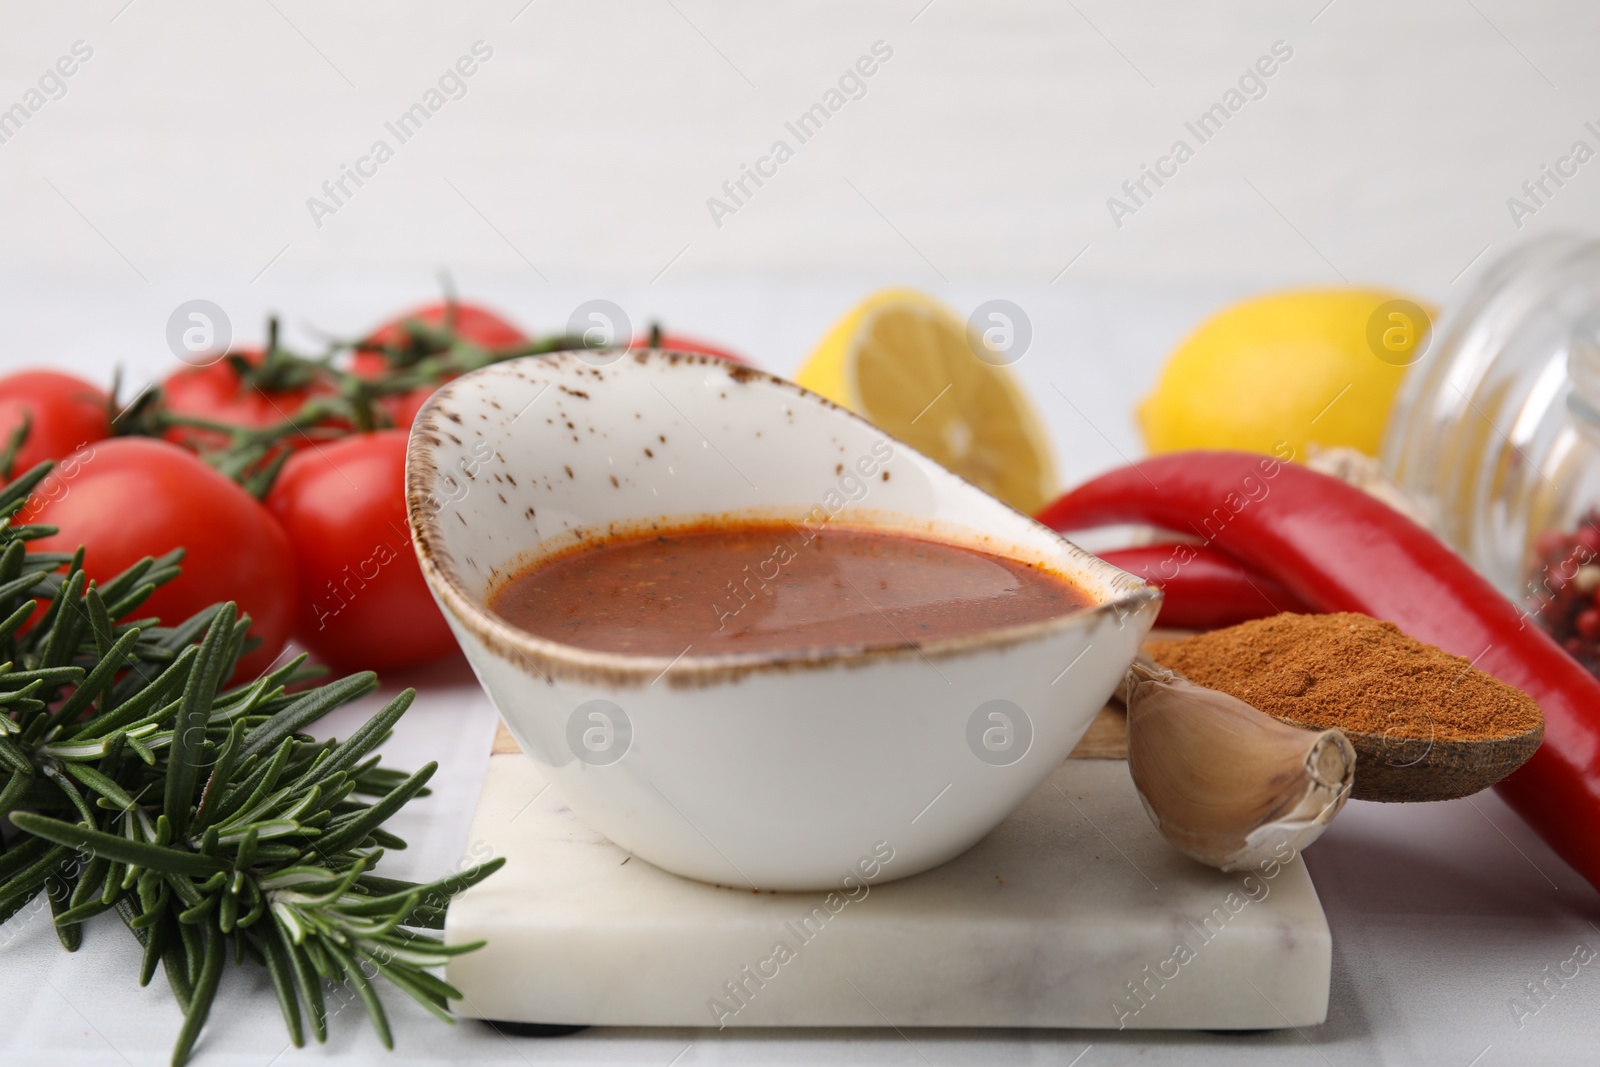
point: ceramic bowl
(808, 770)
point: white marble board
(1073, 913)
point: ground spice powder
(1351, 672)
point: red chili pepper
(1204, 588)
(1342, 550)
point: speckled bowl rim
(553, 659)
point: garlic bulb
(1225, 783)
(1362, 471)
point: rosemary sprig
(200, 812)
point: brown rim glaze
(551, 659)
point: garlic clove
(1226, 784)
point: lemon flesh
(903, 361)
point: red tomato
(477, 324)
(64, 414)
(132, 497)
(363, 600)
(216, 392)
(677, 342)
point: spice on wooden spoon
(1224, 783)
(1426, 725)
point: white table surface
(179, 161)
(1441, 913)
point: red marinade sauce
(720, 589)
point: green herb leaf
(189, 732)
(307, 710)
(98, 843)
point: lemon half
(902, 360)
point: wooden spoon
(1409, 769)
(1434, 768)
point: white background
(578, 164)
(978, 164)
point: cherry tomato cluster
(282, 477)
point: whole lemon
(1312, 366)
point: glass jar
(1496, 434)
